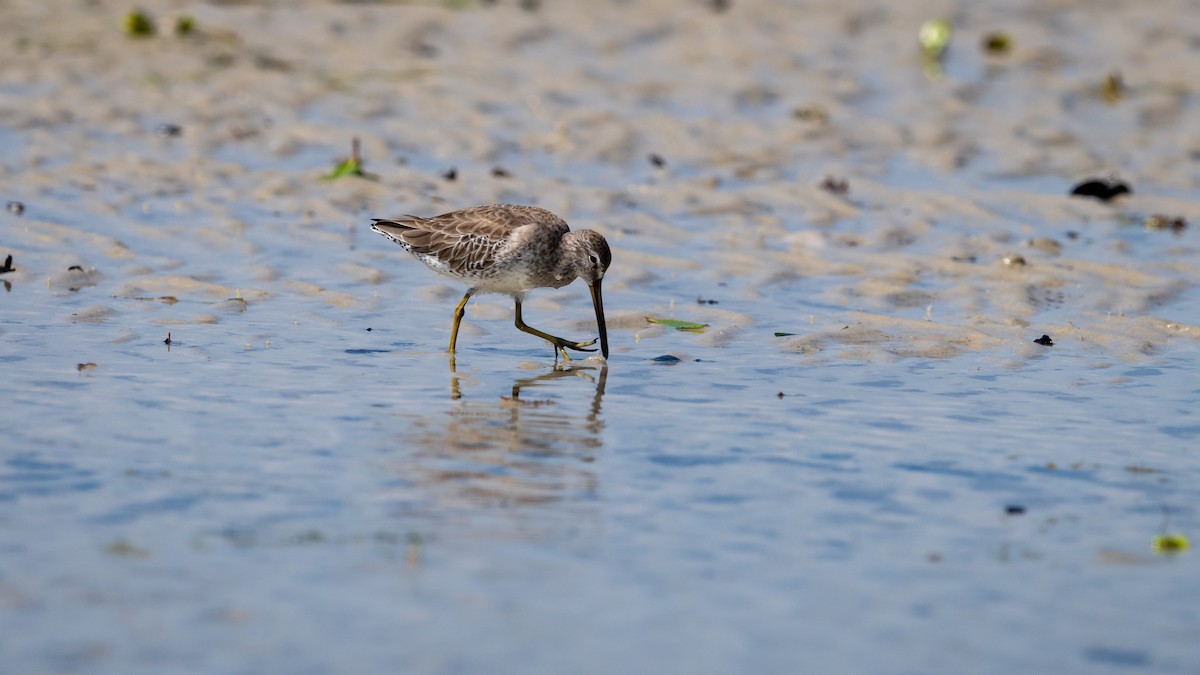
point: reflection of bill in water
(487, 465)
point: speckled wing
(464, 243)
(443, 244)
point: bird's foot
(561, 346)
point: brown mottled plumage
(510, 249)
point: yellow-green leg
(560, 345)
(458, 315)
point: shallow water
(303, 481)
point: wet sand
(749, 109)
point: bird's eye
(595, 260)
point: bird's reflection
(496, 460)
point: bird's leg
(560, 345)
(458, 315)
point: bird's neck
(566, 259)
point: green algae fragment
(679, 325)
(1170, 544)
(997, 43)
(185, 25)
(934, 37)
(139, 24)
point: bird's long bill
(598, 303)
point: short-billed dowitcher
(507, 249)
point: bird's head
(592, 256)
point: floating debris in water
(1046, 244)
(1134, 468)
(705, 301)
(1013, 260)
(679, 325)
(125, 549)
(746, 172)
(168, 342)
(139, 24)
(85, 366)
(1160, 222)
(997, 43)
(1014, 509)
(811, 113)
(837, 186)
(16, 208)
(500, 172)
(1112, 89)
(666, 360)
(168, 130)
(1045, 341)
(657, 160)
(1104, 189)
(779, 334)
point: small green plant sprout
(1112, 88)
(352, 166)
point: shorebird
(508, 249)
